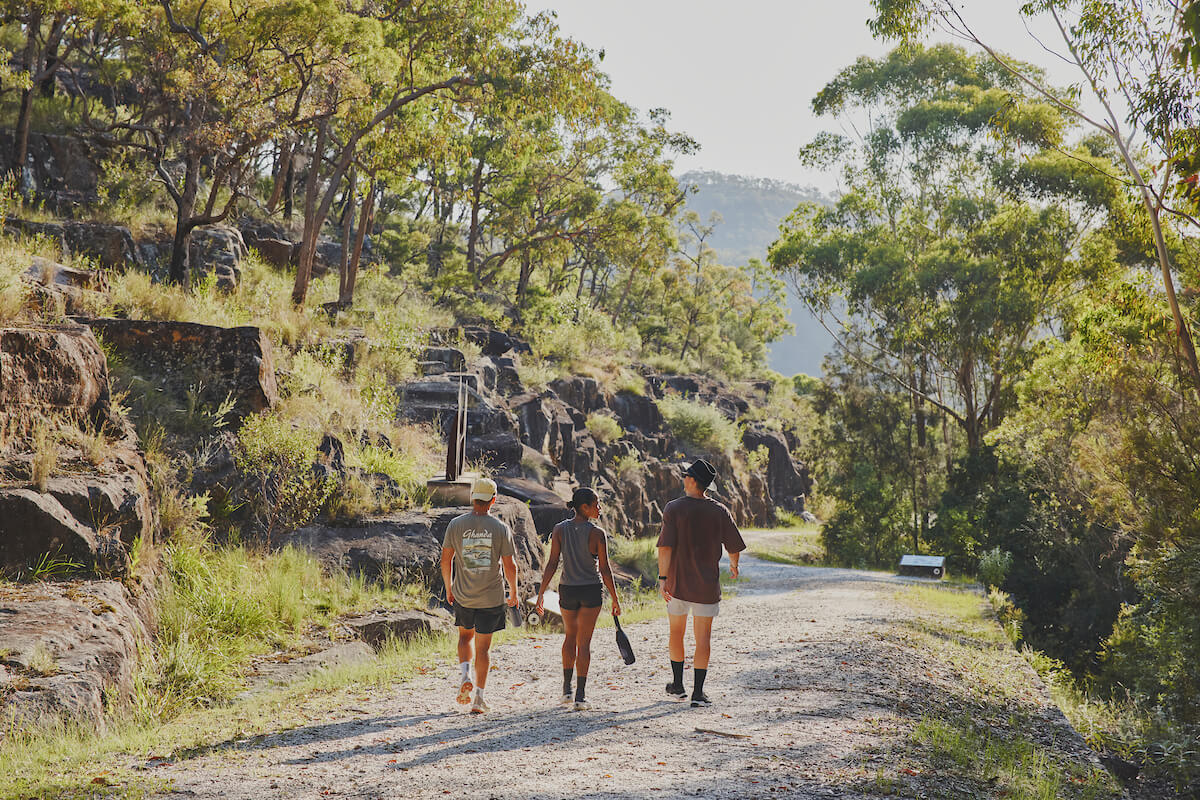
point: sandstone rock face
(237, 362)
(52, 372)
(63, 168)
(376, 629)
(112, 246)
(90, 511)
(66, 647)
(409, 544)
(67, 288)
(786, 482)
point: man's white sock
(465, 669)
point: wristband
(662, 577)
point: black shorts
(572, 597)
(481, 620)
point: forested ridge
(371, 203)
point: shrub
(758, 459)
(278, 459)
(703, 426)
(994, 566)
(603, 427)
(628, 466)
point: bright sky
(739, 77)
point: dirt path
(806, 680)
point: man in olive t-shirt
(474, 548)
(695, 528)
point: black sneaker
(676, 691)
(700, 700)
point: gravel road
(805, 679)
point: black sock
(579, 687)
(701, 674)
(677, 671)
(567, 680)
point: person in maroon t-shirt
(695, 528)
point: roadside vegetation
(978, 729)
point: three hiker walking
(477, 561)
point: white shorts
(680, 608)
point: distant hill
(752, 210)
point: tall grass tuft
(45, 455)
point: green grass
(221, 606)
(62, 761)
(985, 764)
(981, 735)
(637, 555)
(804, 549)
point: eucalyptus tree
(52, 31)
(436, 48)
(1137, 60)
(202, 88)
(951, 276)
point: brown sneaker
(464, 693)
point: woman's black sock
(677, 673)
(699, 676)
(579, 687)
(567, 679)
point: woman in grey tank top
(583, 548)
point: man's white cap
(483, 489)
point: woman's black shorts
(572, 598)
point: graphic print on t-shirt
(476, 550)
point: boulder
(37, 526)
(113, 499)
(408, 545)
(95, 505)
(68, 649)
(377, 628)
(229, 362)
(452, 357)
(63, 169)
(583, 394)
(56, 373)
(498, 452)
(493, 343)
(533, 420)
(435, 400)
(636, 412)
(68, 288)
(508, 377)
(276, 252)
(218, 249)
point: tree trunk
(308, 245)
(473, 232)
(179, 271)
(365, 220)
(283, 174)
(523, 283)
(289, 186)
(20, 153)
(347, 230)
